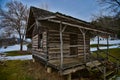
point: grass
(17, 53)
(25, 70)
(14, 70)
(114, 52)
(100, 45)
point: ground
(25, 70)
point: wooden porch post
(69, 76)
(47, 56)
(61, 47)
(104, 73)
(98, 45)
(84, 47)
(84, 44)
(107, 46)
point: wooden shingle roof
(40, 14)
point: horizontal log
(39, 54)
(52, 52)
(75, 46)
(81, 40)
(80, 54)
(34, 43)
(39, 49)
(57, 44)
(34, 46)
(34, 40)
(35, 36)
(58, 51)
(64, 42)
(58, 48)
(81, 50)
(56, 55)
(52, 45)
(53, 33)
(63, 32)
(52, 30)
(58, 37)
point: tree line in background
(106, 21)
(14, 18)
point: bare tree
(112, 5)
(105, 22)
(15, 17)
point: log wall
(37, 50)
(51, 41)
(54, 44)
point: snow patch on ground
(116, 44)
(24, 57)
(12, 48)
(105, 42)
(110, 47)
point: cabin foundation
(49, 69)
(69, 77)
(33, 60)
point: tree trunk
(21, 44)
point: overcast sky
(81, 9)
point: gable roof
(40, 14)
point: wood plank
(72, 70)
(80, 50)
(35, 43)
(57, 45)
(58, 42)
(93, 64)
(58, 48)
(39, 49)
(57, 34)
(54, 37)
(36, 36)
(34, 46)
(52, 52)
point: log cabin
(60, 41)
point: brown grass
(26, 70)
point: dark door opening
(73, 41)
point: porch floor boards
(67, 62)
